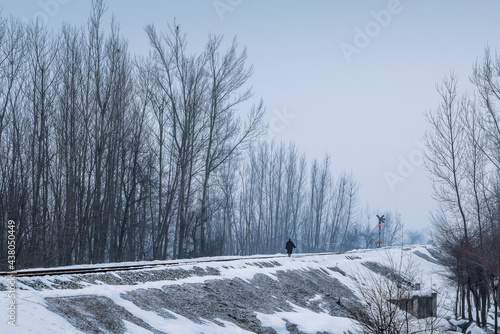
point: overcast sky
(352, 79)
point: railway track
(120, 267)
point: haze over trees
(108, 156)
(463, 158)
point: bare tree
(183, 81)
(227, 74)
(40, 95)
(14, 187)
(445, 154)
(344, 202)
(318, 206)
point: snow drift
(307, 293)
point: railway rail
(121, 267)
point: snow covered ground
(307, 293)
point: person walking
(289, 247)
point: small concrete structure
(421, 306)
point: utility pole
(380, 221)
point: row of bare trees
(278, 200)
(463, 156)
(70, 136)
(109, 157)
(106, 157)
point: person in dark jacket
(289, 247)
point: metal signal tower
(380, 221)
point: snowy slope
(307, 293)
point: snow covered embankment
(306, 293)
